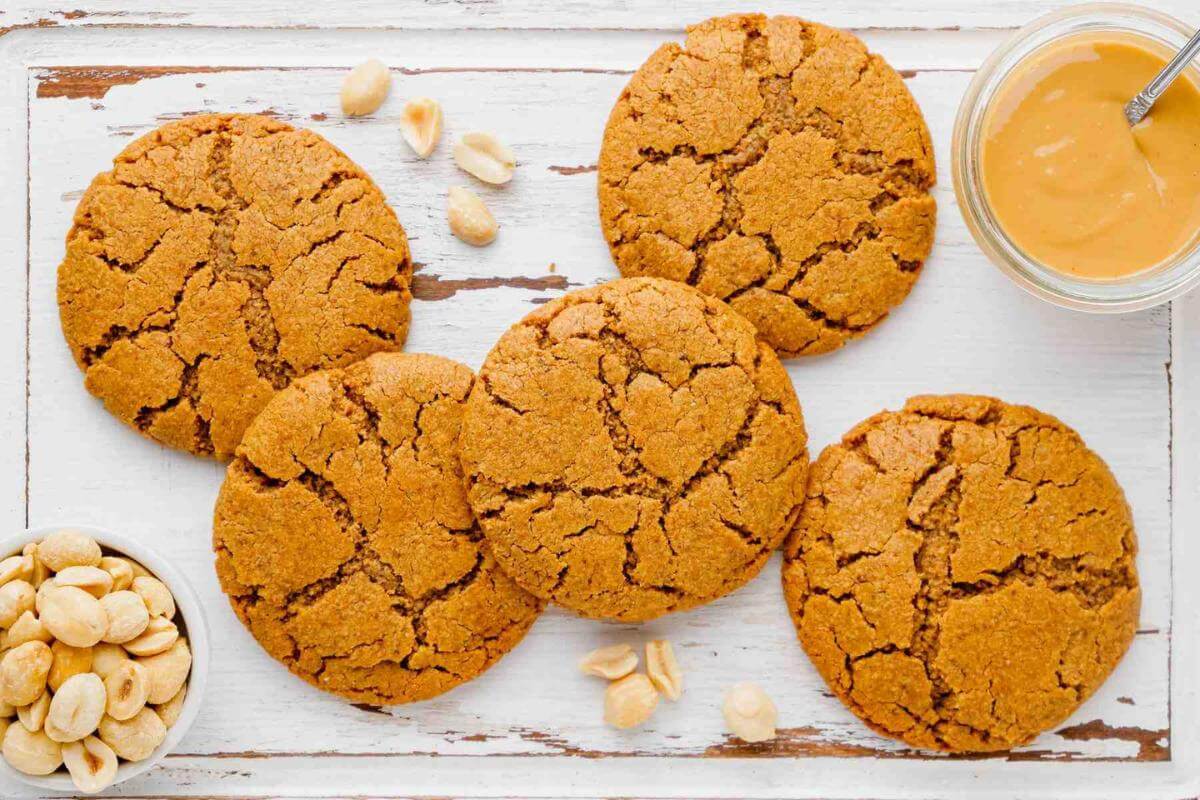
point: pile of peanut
(478, 154)
(92, 664)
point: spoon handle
(1137, 108)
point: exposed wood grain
(1152, 745)
(434, 287)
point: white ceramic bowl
(193, 625)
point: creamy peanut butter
(1068, 180)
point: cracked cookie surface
(222, 257)
(632, 450)
(344, 539)
(775, 164)
(963, 572)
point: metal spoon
(1137, 108)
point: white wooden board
(76, 86)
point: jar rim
(1150, 287)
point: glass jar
(1149, 287)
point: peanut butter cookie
(777, 165)
(632, 450)
(963, 572)
(220, 258)
(344, 539)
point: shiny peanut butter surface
(1068, 180)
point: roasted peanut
(629, 701)
(76, 708)
(107, 657)
(16, 568)
(121, 571)
(40, 571)
(485, 157)
(159, 635)
(33, 715)
(16, 597)
(169, 711)
(134, 739)
(421, 125)
(127, 616)
(73, 616)
(749, 713)
(7, 710)
(27, 628)
(156, 595)
(92, 580)
(662, 669)
(23, 673)
(167, 671)
(39, 598)
(365, 88)
(127, 688)
(68, 661)
(469, 218)
(612, 662)
(31, 753)
(92, 764)
(68, 548)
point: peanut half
(365, 88)
(749, 713)
(485, 157)
(92, 764)
(662, 669)
(469, 218)
(612, 662)
(629, 701)
(421, 125)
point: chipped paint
(95, 82)
(435, 287)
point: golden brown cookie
(632, 450)
(220, 258)
(777, 165)
(344, 539)
(963, 573)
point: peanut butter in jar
(1069, 182)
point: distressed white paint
(965, 328)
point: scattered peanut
(134, 739)
(421, 125)
(92, 764)
(629, 701)
(68, 662)
(67, 548)
(127, 616)
(612, 662)
(662, 668)
(365, 88)
(23, 673)
(485, 157)
(92, 580)
(749, 713)
(31, 753)
(77, 708)
(469, 218)
(73, 616)
(72, 619)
